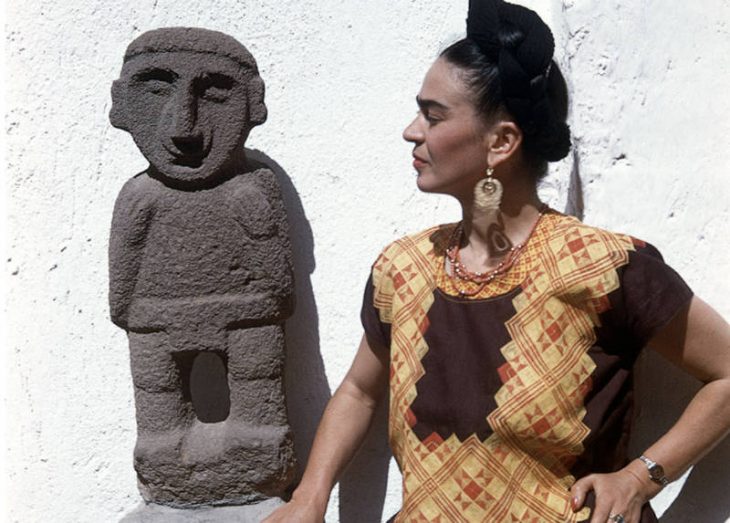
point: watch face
(656, 472)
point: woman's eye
(430, 118)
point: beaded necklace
(459, 271)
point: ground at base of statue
(153, 513)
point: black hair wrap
(524, 66)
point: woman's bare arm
(697, 340)
(341, 431)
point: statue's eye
(157, 81)
(216, 87)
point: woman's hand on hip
(620, 493)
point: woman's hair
(498, 81)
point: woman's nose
(413, 133)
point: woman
(506, 341)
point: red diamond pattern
(398, 280)
(433, 441)
(554, 331)
(506, 372)
(576, 245)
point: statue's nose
(183, 115)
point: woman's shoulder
(571, 233)
(421, 247)
(418, 243)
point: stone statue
(201, 274)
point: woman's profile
(504, 343)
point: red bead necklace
(461, 273)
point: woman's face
(449, 137)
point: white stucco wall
(650, 121)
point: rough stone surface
(152, 513)
(341, 78)
(201, 274)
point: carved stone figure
(201, 274)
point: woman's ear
(503, 139)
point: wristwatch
(656, 471)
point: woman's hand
(297, 511)
(620, 493)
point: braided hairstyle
(506, 60)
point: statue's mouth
(188, 151)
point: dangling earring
(488, 193)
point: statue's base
(153, 513)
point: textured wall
(341, 80)
(650, 108)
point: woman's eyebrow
(425, 104)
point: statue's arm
(279, 216)
(256, 205)
(133, 212)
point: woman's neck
(488, 237)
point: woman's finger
(630, 514)
(578, 492)
(623, 516)
(605, 500)
(601, 512)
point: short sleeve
(651, 293)
(377, 304)
(375, 329)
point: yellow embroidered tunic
(498, 402)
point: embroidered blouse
(499, 401)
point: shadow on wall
(307, 390)
(575, 204)
(663, 391)
(363, 486)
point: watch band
(656, 471)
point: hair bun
(551, 143)
(522, 46)
(487, 23)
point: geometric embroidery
(521, 471)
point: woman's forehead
(444, 84)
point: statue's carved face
(188, 112)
